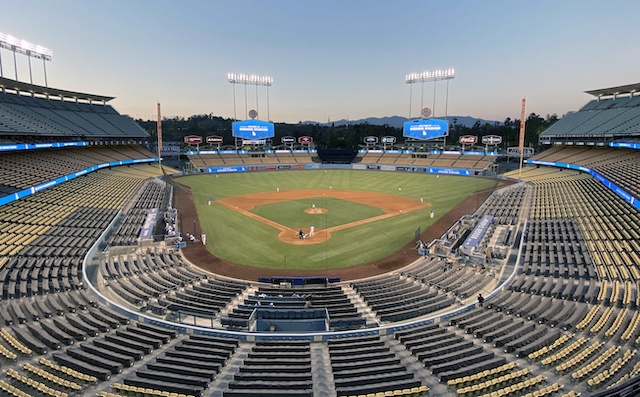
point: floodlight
(251, 79)
(433, 75)
(24, 47)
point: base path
(390, 205)
(197, 254)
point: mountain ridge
(398, 121)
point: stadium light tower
(30, 50)
(428, 76)
(249, 79)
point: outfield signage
(370, 140)
(253, 129)
(254, 141)
(426, 129)
(491, 140)
(305, 140)
(193, 139)
(389, 140)
(288, 140)
(170, 149)
(449, 171)
(225, 169)
(214, 139)
(468, 140)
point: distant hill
(398, 121)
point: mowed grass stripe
(236, 238)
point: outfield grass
(236, 238)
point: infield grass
(236, 238)
(292, 213)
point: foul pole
(159, 127)
(522, 124)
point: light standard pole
(429, 76)
(249, 79)
(19, 46)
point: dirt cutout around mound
(198, 254)
(390, 205)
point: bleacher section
(214, 159)
(446, 160)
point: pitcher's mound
(316, 210)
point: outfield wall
(318, 166)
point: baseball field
(255, 219)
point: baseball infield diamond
(389, 205)
(240, 245)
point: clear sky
(330, 58)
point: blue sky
(330, 58)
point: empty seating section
(274, 368)
(151, 196)
(187, 366)
(45, 306)
(22, 115)
(367, 364)
(506, 207)
(579, 269)
(162, 284)
(446, 354)
(605, 117)
(605, 228)
(396, 298)
(555, 248)
(468, 161)
(21, 170)
(618, 165)
(462, 281)
(208, 159)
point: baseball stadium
(271, 270)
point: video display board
(253, 129)
(426, 129)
